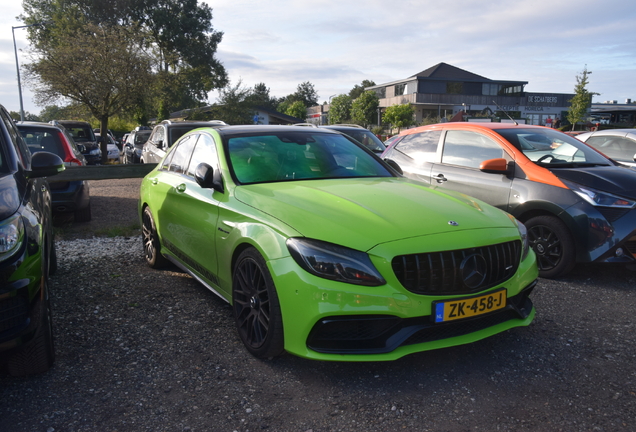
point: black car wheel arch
(150, 238)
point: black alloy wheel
(553, 245)
(152, 247)
(255, 304)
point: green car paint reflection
(325, 252)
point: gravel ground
(146, 350)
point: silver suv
(167, 133)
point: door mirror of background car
(393, 164)
(45, 164)
(494, 166)
(81, 148)
(207, 177)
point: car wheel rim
(148, 237)
(546, 246)
(251, 303)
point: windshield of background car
(177, 132)
(39, 139)
(141, 137)
(299, 156)
(81, 134)
(366, 138)
(550, 148)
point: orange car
(578, 205)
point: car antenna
(504, 111)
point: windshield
(81, 133)
(300, 156)
(547, 147)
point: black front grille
(449, 272)
(14, 312)
(630, 245)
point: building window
(381, 92)
(454, 88)
(490, 89)
(400, 89)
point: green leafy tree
(260, 97)
(357, 90)
(306, 93)
(582, 100)
(234, 105)
(297, 109)
(112, 67)
(340, 109)
(399, 116)
(364, 110)
(178, 34)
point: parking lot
(141, 349)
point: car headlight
(334, 262)
(11, 235)
(599, 198)
(523, 233)
(95, 152)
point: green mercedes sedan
(324, 251)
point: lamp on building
(17, 65)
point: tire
(83, 215)
(38, 355)
(255, 305)
(124, 159)
(553, 244)
(152, 246)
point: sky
(336, 44)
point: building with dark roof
(446, 91)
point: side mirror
(494, 166)
(45, 164)
(393, 164)
(209, 178)
(81, 148)
(160, 144)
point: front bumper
(329, 320)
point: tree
(399, 116)
(364, 110)
(306, 93)
(112, 67)
(297, 109)
(582, 99)
(234, 105)
(340, 109)
(177, 34)
(261, 98)
(357, 90)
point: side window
(181, 155)
(421, 147)
(614, 147)
(20, 146)
(469, 149)
(157, 135)
(205, 151)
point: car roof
(472, 126)
(230, 130)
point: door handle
(181, 187)
(439, 178)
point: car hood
(361, 213)
(10, 202)
(615, 180)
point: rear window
(42, 140)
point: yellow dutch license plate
(450, 310)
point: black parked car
(84, 136)
(357, 132)
(134, 144)
(27, 253)
(68, 197)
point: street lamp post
(17, 65)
